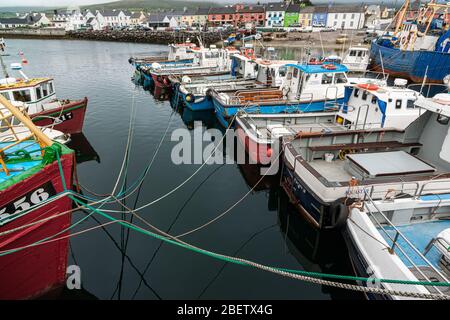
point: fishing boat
(365, 107)
(306, 88)
(325, 168)
(357, 59)
(413, 52)
(402, 231)
(33, 207)
(207, 61)
(38, 95)
(178, 53)
(249, 74)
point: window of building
(353, 16)
(345, 16)
(351, 23)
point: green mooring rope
(226, 259)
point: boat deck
(15, 165)
(276, 130)
(333, 171)
(420, 235)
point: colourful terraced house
(291, 17)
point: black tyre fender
(339, 214)
(208, 94)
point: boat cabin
(213, 57)
(357, 59)
(34, 93)
(372, 106)
(315, 82)
(181, 51)
(271, 71)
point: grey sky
(61, 3)
(47, 3)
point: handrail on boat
(395, 240)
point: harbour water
(117, 264)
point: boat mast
(40, 136)
(402, 15)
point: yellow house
(305, 16)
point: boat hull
(68, 118)
(225, 113)
(33, 271)
(258, 153)
(412, 65)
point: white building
(76, 21)
(112, 18)
(275, 12)
(346, 17)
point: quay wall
(156, 37)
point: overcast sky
(61, 3)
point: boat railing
(429, 90)
(395, 241)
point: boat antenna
(5, 71)
(382, 64)
(424, 79)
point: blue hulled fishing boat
(413, 52)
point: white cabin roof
(438, 104)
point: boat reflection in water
(189, 117)
(316, 251)
(84, 151)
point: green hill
(152, 4)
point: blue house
(320, 16)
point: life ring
(369, 86)
(339, 214)
(329, 66)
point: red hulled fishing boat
(32, 208)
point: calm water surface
(118, 264)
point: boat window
(441, 119)
(364, 95)
(50, 87)
(398, 104)
(374, 100)
(327, 78)
(44, 90)
(340, 78)
(22, 95)
(295, 73)
(6, 95)
(352, 53)
(38, 93)
(359, 53)
(410, 104)
(356, 94)
(282, 71)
